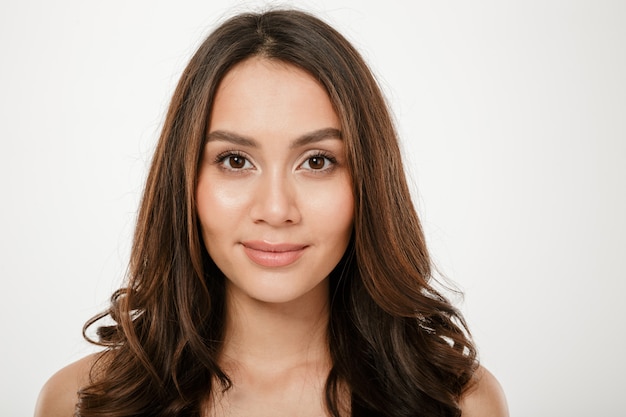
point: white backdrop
(513, 119)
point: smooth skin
(275, 204)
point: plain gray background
(513, 120)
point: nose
(275, 201)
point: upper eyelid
(319, 151)
(230, 152)
(326, 155)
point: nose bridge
(275, 200)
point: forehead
(259, 69)
(264, 93)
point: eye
(318, 162)
(236, 162)
(233, 161)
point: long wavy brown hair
(396, 343)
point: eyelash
(222, 157)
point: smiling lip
(273, 254)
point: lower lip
(273, 259)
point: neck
(275, 336)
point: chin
(279, 290)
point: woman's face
(274, 193)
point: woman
(278, 265)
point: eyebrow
(305, 139)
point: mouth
(273, 255)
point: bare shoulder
(58, 396)
(485, 398)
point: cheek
(222, 195)
(333, 207)
(223, 198)
(218, 206)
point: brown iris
(236, 161)
(316, 162)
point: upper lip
(264, 246)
